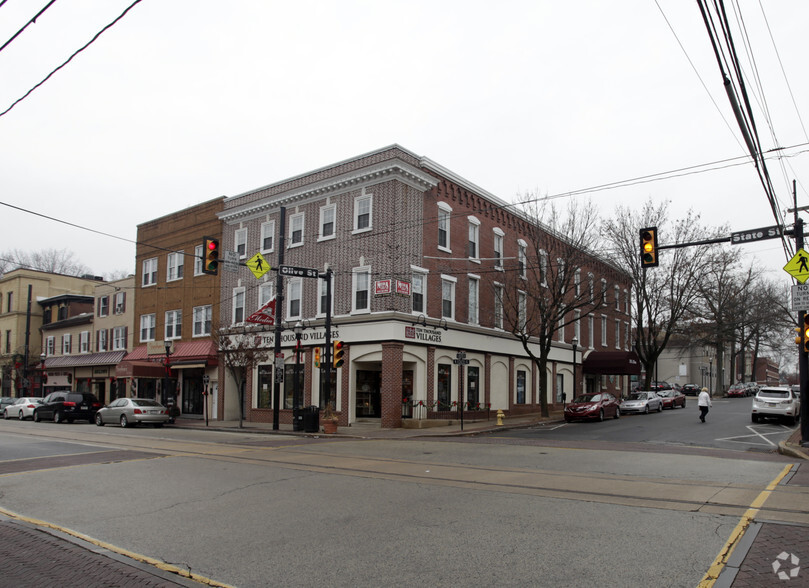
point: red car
(672, 398)
(592, 407)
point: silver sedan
(132, 411)
(644, 402)
(23, 408)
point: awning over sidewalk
(611, 363)
(84, 359)
(185, 352)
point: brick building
(418, 256)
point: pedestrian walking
(704, 403)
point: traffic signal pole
(279, 304)
(803, 356)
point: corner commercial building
(416, 253)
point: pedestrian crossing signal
(210, 256)
(648, 247)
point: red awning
(184, 352)
(611, 363)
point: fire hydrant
(500, 417)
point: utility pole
(803, 357)
(279, 303)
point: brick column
(392, 384)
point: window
(174, 267)
(626, 336)
(50, 345)
(444, 388)
(147, 327)
(474, 289)
(266, 291)
(322, 305)
(543, 268)
(418, 291)
(119, 338)
(84, 342)
(603, 291)
(521, 386)
(104, 306)
(560, 325)
(119, 302)
(444, 212)
(362, 212)
(296, 230)
(294, 289)
(240, 241)
(498, 306)
(626, 302)
(264, 386)
(198, 260)
(448, 297)
(577, 325)
(8, 341)
(361, 286)
(174, 324)
(149, 272)
(577, 282)
(617, 298)
(238, 306)
(327, 216)
(474, 238)
(101, 340)
(522, 309)
(61, 313)
(603, 330)
(591, 331)
(267, 237)
(591, 285)
(9, 300)
(498, 248)
(522, 259)
(202, 320)
(617, 333)
(65, 343)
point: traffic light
(337, 353)
(648, 247)
(799, 335)
(317, 357)
(210, 256)
(805, 332)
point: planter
(329, 427)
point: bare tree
(57, 261)
(542, 291)
(662, 295)
(241, 353)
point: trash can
(297, 418)
(311, 419)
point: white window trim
(84, 342)
(174, 324)
(357, 200)
(617, 333)
(267, 227)
(474, 320)
(577, 282)
(423, 273)
(617, 289)
(240, 238)
(152, 327)
(194, 313)
(323, 209)
(67, 346)
(604, 324)
(543, 268)
(366, 269)
(236, 292)
(603, 291)
(577, 325)
(591, 326)
(444, 207)
(116, 331)
(522, 309)
(198, 260)
(175, 261)
(147, 264)
(293, 218)
(454, 281)
(292, 284)
(499, 292)
(474, 225)
(321, 293)
(499, 263)
(522, 258)
(50, 346)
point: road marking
(721, 560)
(755, 434)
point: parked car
(6, 401)
(691, 390)
(672, 398)
(133, 411)
(592, 407)
(642, 402)
(67, 406)
(737, 391)
(655, 386)
(22, 409)
(779, 402)
(752, 388)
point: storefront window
(264, 386)
(289, 385)
(444, 386)
(472, 387)
(520, 387)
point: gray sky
(183, 101)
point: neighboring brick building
(416, 253)
(175, 304)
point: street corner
(778, 554)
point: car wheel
(617, 413)
(754, 418)
(124, 421)
(158, 425)
(567, 420)
(99, 420)
(660, 407)
(601, 415)
(21, 416)
(683, 402)
(646, 409)
(5, 414)
(57, 417)
(36, 417)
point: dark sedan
(592, 407)
(691, 390)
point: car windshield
(587, 398)
(144, 402)
(637, 396)
(666, 393)
(774, 393)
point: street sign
(800, 297)
(460, 361)
(258, 265)
(756, 235)
(798, 266)
(298, 272)
(231, 261)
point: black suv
(67, 406)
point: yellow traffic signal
(806, 332)
(799, 335)
(317, 357)
(337, 355)
(210, 256)
(648, 247)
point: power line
(69, 59)
(33, 20)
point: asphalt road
(255, 510)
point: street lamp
(43, 378)
(167, 398)
(297, 417)
(575, 345)
(710, 375)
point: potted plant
(329, 420)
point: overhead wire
(30, 22)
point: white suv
(777, 402)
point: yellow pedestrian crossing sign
(259, 266)
(798, 266)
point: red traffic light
(210, 257)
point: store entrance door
(369, 396)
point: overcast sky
(186, 100)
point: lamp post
(710, 376)
(575, 345)
(297, 417)
(167, 398)
(43, 378)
